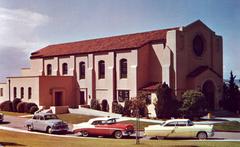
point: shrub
(95, 104)
(166, 105)
(117, 108)
(139, 107)
(6, 106)
(105, 106)
(194, 103)
(33, 109)
(127, 108)
(14, 104)
(21, 107)
(28, 106)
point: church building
(117, 68)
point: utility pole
(9, 89)
(137, 127)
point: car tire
(85, 133)
(118, 134)
(29, 127)
(49, 130)
(202, 135)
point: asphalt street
(17, 123)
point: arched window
(14, 92)
(123, 68)
(82, 70)
(198, 45)
(49, 69)
(101, 69)
(29, 92)
(64, 69)
(22, 92)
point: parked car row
(108, 126)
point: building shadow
(11, 144)
(4, 122)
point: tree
(194, 103)
(231, 95)
(167, 104)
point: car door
(34, 122)
(181, 129)
(39, 124)
(102, 128)
(168, 130)
(97, 129)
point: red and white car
(103, 126)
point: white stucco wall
(104, 87)
(70, 63)
(4, 97)
(36, 68)
(129, 83)
(26, 82)
(54, 63)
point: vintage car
(1, 117)
(46, 122)
(183, 128)
(103, 126)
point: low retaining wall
(87, 111)
(59, 109)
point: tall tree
(167, 104)
(231, 95)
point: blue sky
(27, 25)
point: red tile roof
(151, 86)
(122, 42)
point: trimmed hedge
(117, 108)
(95, 104)
(33, 109)
(28, 107)
(105, 106)
(6, 106)
(21, 107)
(14, 104)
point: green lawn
(74, 118)
(228, 126)
(13, 113)
(25, 139)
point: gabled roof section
(199, 22)
(151, 86)
(122, 42)
(200, 70)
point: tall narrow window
(101, 69)
(14, 92)
(22, 92)
(64, 69)
(82, 70)
(1, 91)
(123, 68)
(29, 92)
(49, 69)
(123, 95)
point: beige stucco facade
(173, 62)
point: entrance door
(209, 92)
(82, 98)
(58, 98)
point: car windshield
(47, 117)
(110, 121)
(162, 123)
